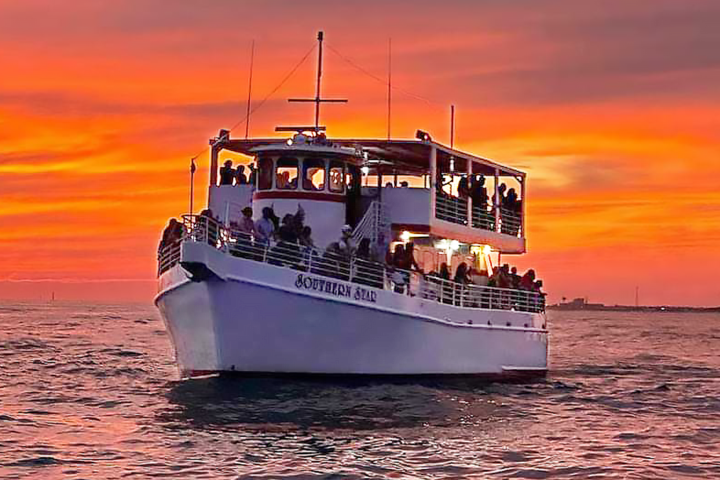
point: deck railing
(349, 269)
(451, 209)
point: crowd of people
(236, 176)
(501, 277)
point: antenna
(452, 125)
(247, 114)
(318, 100)
(389, 93)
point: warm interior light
(486, 250)
(454, 245)
(405, 236)
(365, 170)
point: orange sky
(612, 107)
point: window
(265, 167)
(313, 174)
(337, 176)
(286, 176)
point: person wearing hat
(247, 225)
(227, 173)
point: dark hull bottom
(508, 376)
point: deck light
(289, 142)
(365, 170)
(405, 236)
(424, 136)
(486, 249)
(454, 245)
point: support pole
(523, 204)
(192, 183)
(247, 114)
(433, 181)
(452, 126)
(319, 76)
(469, 200)
(214, 153)
(496, 201)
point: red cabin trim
(300, 195)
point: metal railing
(475, 296)
(451, 209)
(483, 218)
(510, 222)
(168, 256)
(372, 223)
(347, 268)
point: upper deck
(426, 188)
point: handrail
(349, 268)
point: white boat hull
(257, 318)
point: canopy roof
(391, 156)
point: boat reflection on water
(357, 404)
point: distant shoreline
(629, 308)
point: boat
(238, 301)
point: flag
(192, 165)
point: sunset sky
(612, 107)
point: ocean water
(90, 391)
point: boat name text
(337, 289)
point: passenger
(287, 233)
(404, 185)
(167, 234)
(511, 200)
(265, 228)
(240, 178)
(537, 286)
(379, 250)
(246, 225)
(501, 195)
(252, 177)
(347, 243)
(444, 272)
(227, 173)
(399, 278)
(479, 193)
(409, 262)
(463, 188)
(514, 278)
(363, 250)
(209, 224)
(461, 274)
(389, 185)
(481, 278)
(305, 238)
(528, 280)
(501, 277)
(282, 180)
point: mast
(249, 97)
(318, 99)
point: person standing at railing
(265, 228)
(253, 174)
(379, 250)
(246, 225)
(240, 178)
(227, 173)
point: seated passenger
(287, 233)
(240, 178)
(404, 185)
(227, 173)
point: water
(90, 391)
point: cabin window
(337, 175)
(265, 167)
(313, 174)
(286, 176)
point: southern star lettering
(337, 289)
